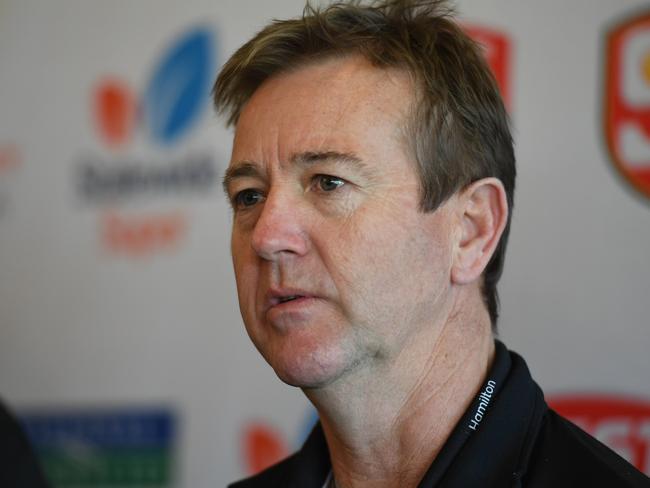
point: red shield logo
(622, 423)
(497, 50)
(627, 100)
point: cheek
(246, 274)
(243, 256)
(390, 267)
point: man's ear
(483, 215)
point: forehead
(338, 104)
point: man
(372, 178)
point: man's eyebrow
(345, 158)
(239, 170)
(312, 157)
(249, 169)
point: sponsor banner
(144, 155)
(104, 447)
(620, 422)
(627, 100)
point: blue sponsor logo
(180, 87)
(101, 447)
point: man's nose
(279, 230)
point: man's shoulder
(273, 476)
(565, 455)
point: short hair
(458, 128)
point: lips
(280, 296)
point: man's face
(337, 269)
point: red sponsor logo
(115, 111)
(498, 53)
(627, 100)
(142, 235)
(262, 447)
(9, 157)
(622, 423)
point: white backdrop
(87, 321)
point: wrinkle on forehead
(335, 98)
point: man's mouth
(288, 298)
(279, 296)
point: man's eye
(247, 198)
(328, 183)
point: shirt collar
(488, 446)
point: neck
(384, 425)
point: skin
(388, 335)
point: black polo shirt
(508, 437)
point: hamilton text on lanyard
(485, 396)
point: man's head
(455, 126)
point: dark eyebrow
(239, 170)
(312, 157)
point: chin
(303, 380)
(306, 367)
